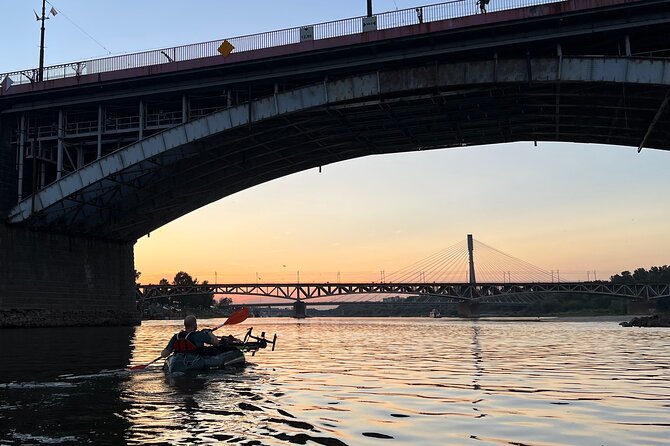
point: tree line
(655, 274)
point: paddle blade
(138, 367)
(143, 366)
(237, 316)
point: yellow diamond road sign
(225, 48)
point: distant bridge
(455, 260)
(445, 292)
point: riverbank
(601, 318)
(657, 320)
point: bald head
(190, 323)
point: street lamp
(369, 8)
(40, 73)
(53, 12)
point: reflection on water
(40, 353)
(345, 382)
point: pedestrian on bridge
(482, 5)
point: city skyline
(560, 206)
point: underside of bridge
(98, 164)
(147, 184)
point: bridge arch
(145, 185)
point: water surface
(345, 382)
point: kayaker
(190, 340)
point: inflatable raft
(185, 362)
(233, 355)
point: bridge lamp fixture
(42, 18)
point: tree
(656, 274)
(640, 275)
(223, 303)
(625, 277)
(184, 280)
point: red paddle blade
(138, 367)
(237, 316)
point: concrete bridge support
(58, 280)
(638, 307)
(299, 309)
(49, 279)
(468, 308)
(8, 170)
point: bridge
(95, 154)
(455, 261)
(446, 292)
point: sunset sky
(560, 206)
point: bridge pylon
(471, 261)
(299, 309)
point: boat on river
(185, 362)
(232, 355)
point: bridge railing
(326, 30)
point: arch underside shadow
(129, 193)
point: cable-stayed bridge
(468, 272)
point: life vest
(183, 344)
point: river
(340, 381)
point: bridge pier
(8, 171)
(468, 308)
(59, 280)
(638, 307)
(299, 309)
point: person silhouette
(482, 5)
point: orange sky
(567, 207)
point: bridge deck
(438, 18)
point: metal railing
(386, 20)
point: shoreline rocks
(657, 320)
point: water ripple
(356, 382)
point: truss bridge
(456, 261)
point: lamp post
(40, 73)
(369, 8)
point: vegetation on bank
(201, 305)
(655, 274)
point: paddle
(235, 318)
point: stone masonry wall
(51, 279)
